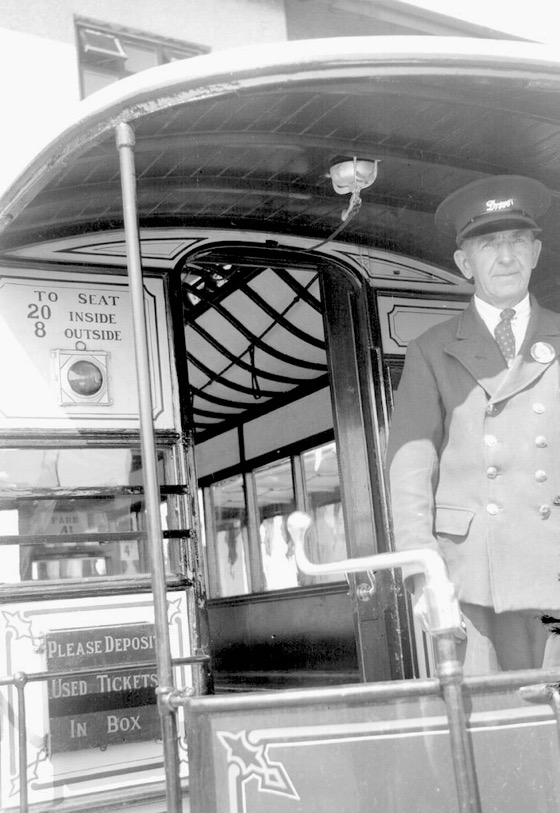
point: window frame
(113, 63)
(173, 489)
(294, 454)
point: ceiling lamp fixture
(350, 177)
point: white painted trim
(163, 249)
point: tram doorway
(285, 405)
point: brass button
(538, 408)
(492, 508)
(491, 409)
(544, 511)
(492, 472)
(541, 441)
(541, 476)
(490, 440)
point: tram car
(208, 282)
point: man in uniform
(474, 447)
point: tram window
(70, 504)
(395, 371)
(276, 501)
(249, 549)
(326, 540)
(230, 533)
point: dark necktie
(504, 334)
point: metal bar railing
(32, 494)
(444, 618)
(101, 538)
(35, 677)
(547, 693)
(368, 693)
(19, 682)
(125, 144)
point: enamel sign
(70, 356)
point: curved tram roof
(243, 140)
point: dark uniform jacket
(474, 457)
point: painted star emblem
(16, 623)
(253, 761)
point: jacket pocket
(452, 521)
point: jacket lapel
(543, 330)
(477, 351)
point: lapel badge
(543, 352)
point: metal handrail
(444, 614)
(444, 621)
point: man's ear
(537, 246)
(462, 263)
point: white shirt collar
(491, 314)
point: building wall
(39, 60)
(350, 18)
(215, 23)
(308, 19)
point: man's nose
(505, 251)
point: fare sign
(71, 353)
(105, 707)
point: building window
(109, 53)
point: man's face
(500, 264)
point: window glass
(95, 80)
(71, 468)
(276, 501)
(55, 523)
(229, 543)
(231, 537)
(139, 58)
(169, 55)
(326, 540)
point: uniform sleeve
(415, 440)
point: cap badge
(543, 352)
(498, 205)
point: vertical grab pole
(450, 674)
(125, 143)
(20, 680)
